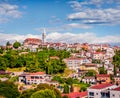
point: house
(95, 47)
(103, 78)
(73, 63)
(32, 44)
(89, 66)
(115, 93)
(98, 55)
(76, 94)
(117, 79)
(89, 79)
(100, 90)
(33, 78)
(109, 53)
(32, 41)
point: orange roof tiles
(117, 89)
(103, 75)
(101, 86)
(37, 73)
(76, 94)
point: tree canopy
(16, 44)
(8, 90)
(47, 93)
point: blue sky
(93, 21)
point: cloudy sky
(92, 21)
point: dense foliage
(91, 73)
(43, 89)
(43, 94)
(16, 44)
(35, 61)
(116, 59)
(8, 90)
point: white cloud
(63, 37)
(99, 14)
(77, 25)
(8, 11)
(82, 37)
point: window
(32, 77)
(91, 93)
(113, 95)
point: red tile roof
(103, 75)
(90, 65)
(74, 58)
(76, 94)
(101, 86)
(37, 73)
(117, 89)
(99, 53)
(54, 57)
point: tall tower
(44, 36)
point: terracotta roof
(74, 58)
(32, 41)
(4, 72)
(76, 94)
(99, 53)
(37, 73)
(117, 89)
(103, 75)
(101, 86)
(54, 57)
(89, 77)
(90, 65)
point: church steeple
(44, 36)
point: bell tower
(44, 36)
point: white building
(34, 78)
(100, 90)
(115, 93)
(74, 63)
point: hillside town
(90, 70)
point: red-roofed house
(32, 41)
(32, 44)
(103, 78)
(98, 55)
(100, 90)
(76, 94)
(33, 78)
(89, 66)
(115, 93)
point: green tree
(69, 81)
(3, 65)
(66, 89)
(9, 90)
(91, 73)
(102, 70)
(58, 78)
(65, 96)
(46, 86)
(8, 43)
(47, 93)
(16, 44)
(1, 51)
(115, 70)
(27, 93)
